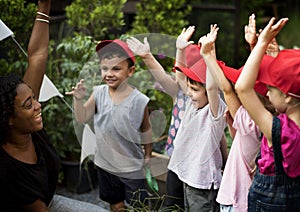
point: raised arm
(181, 43)
(207, 45)
(208, 54)
(251, 36)
(38, 48)
(250, 32)
(246, 81)
(158, 72)
(82, 111)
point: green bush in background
(18, 16)
(100, 19)
(73, 44)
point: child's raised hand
(78, 91)
(250, 31)
(207, 42)
(273, 47)
(139, 48)
(183, 39)
(271, 30)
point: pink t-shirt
(290, 147)
(240, 164)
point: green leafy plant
(154, 202)
(162, 17)
(12, 58)
(67, 62)
(101, 19)
(159, 16)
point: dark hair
(8, 85)
(114, 51)
(266, 102)
(193, 82)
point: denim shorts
(274, 193)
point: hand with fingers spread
(207, 42)
(271, 30)
(273, 47)
(139, 48)
(183, 39)
(78, 91)
(250, 32)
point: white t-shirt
(197, 158)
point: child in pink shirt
(240, 166)
(276, 184)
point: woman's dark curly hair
(8, 85)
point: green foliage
(160, 16)
(101, 19)
(228, 138)
(66, 62)
(155, 202)
(19, 17)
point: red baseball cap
(116, 42)
(195, 65)
(233, 74)
(283, 72)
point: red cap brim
(197, 72)
(120, 43)
(233, 74)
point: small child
(240, 166)
(276, 184)
(197, 158)
(176, 88)
(121, 125)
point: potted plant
(67, 61)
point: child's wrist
(262, 43)
(206, 55)
(147, 56)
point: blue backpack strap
(276, 137)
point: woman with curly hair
(29, 164)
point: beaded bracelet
(42, 20)
(43, 14)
